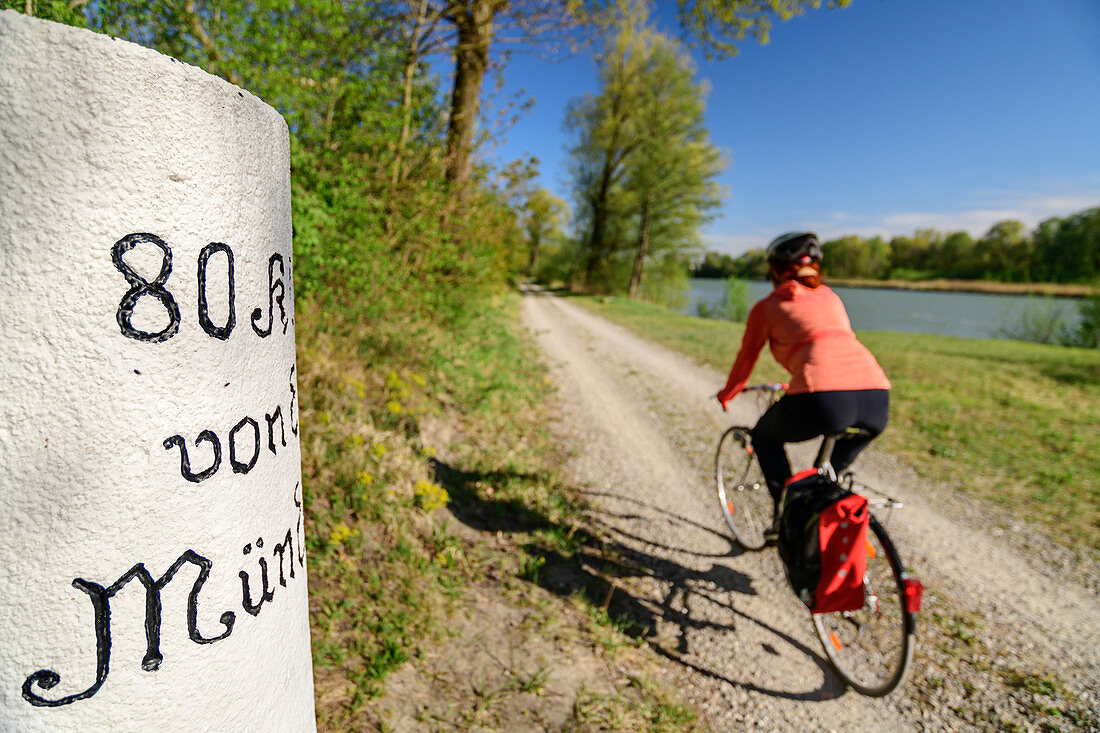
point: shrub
(736, 302)
(734, 306)
(1047, 321)
(1043, 321)
(1087, 334)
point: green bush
(1046, 321)
(736, 302)
(1043, 321)
(1087, 334)
(734, 306)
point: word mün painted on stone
(100, 597)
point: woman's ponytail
(809, 274)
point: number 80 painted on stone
(140, 287)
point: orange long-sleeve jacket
(811, 337)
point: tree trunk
(412, 57)
(643, 245)
(474, 20)
(596, 251)
(533, 255)
(213, 55)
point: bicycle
(871, 648)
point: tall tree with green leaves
(607, 133)
(643, 165)
(1004, 252)
(670, 176)
(472, 29)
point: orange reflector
(836, 640)
(729, 508)
(871, 550)
(748, 449)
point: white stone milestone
(152, 567)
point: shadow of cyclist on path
(608, 575)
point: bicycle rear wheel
(871, 648)
(742, 493)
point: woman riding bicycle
(835, 381)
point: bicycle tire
(871, 648)
(743, 495)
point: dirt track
(640, 425)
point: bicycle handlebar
(768, 387)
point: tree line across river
(1059, 250)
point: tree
(542, 217)
(719, 26)
(842, 256)
(643, 165)
(1068, 249)
(1005, 251)
(670, 177)
(606, 135)
(714, 265)
(59, 11)
(752, 265)
(477, 26)
(324, 64)
(951, 253)
(419, 23)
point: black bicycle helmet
(793, 247)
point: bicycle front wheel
(871, 648)
(742, 492)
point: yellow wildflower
(430, 496)
(341, 533)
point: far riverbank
(947, 312)
(1060, 290)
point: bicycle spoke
(742, 494)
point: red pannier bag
(842, 536)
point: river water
(973, 315)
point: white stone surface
(99, 140)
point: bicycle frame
(822, 462)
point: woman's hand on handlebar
(726, 394)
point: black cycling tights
(799, 417)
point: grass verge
(960, 671)
(1012, 423)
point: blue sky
(881, 118)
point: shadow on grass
(573, 563)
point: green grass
(1013, 423)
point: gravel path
(640, 426)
